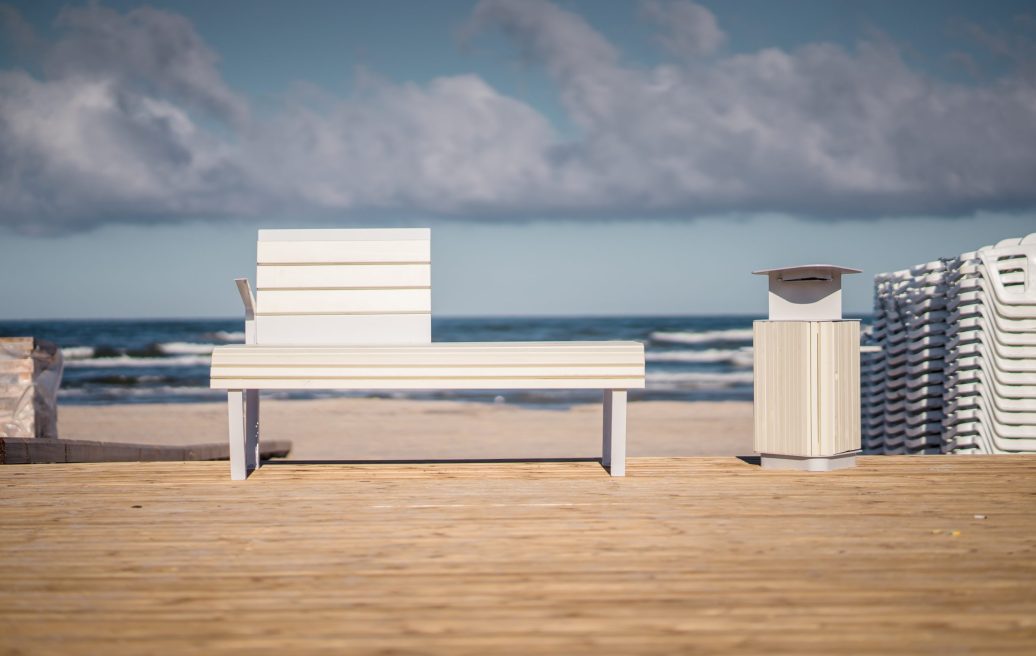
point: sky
(570, 157)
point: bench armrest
(247, 298)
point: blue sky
(571, 157)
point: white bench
(351, 309)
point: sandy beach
(376, 429)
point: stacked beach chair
(904, 380)
(956, 369)
(991, 381)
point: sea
(696, 358)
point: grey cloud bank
(128, 119)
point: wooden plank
(838, 387)
(347, 276)
(618, 353)
(14, 367)
(16, 348)
(45, 451)
(783, 371)
(12, 390)
(343, 301)
(14, 451)
(21, 450)
(682, 556)
(302, 330)
(438, 349)
(89, 451)
(447, 347)
(434, 359)
(431, 372)
(17, 380)
(346, 234)
(425, 383)
(343, 252)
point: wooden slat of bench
(429, 383)
(429, 356)
(343, 276)
(467, 360)
(436, 371)
(345, 234)
(456, 365)
(343, 252)
(342, 301)
(444, 347)
(304, 330)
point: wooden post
(615, 422)
(606, 437)
(236, 432)
(252, 429)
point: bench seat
(443, 365)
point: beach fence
(950, 363)
(30, 374)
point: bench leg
(614, 450)
(236, 432)
(251, 430)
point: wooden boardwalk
(700, 555)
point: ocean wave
(186, 348)
(130, 394)
(703, 337)
(226, 336)
(131, 361)
(697, 379)
(77, 352)
(741, 357)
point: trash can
(807, 372)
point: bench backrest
(344, 287)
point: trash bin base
(810, 463)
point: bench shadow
(423, 461)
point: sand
(384, 429)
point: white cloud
(688, 29)
(144, 46)
(132, 121)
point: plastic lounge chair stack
(991, 379)
(925, 358)
(903, 382)
(957, 366)
(872, 403)
(872, 367)
(890, 389)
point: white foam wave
(77, 352)
(157, 391)
(130, 361)
(186, 348)
(741, 357)
(226, 336)
(704, 336)
(697, 380)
